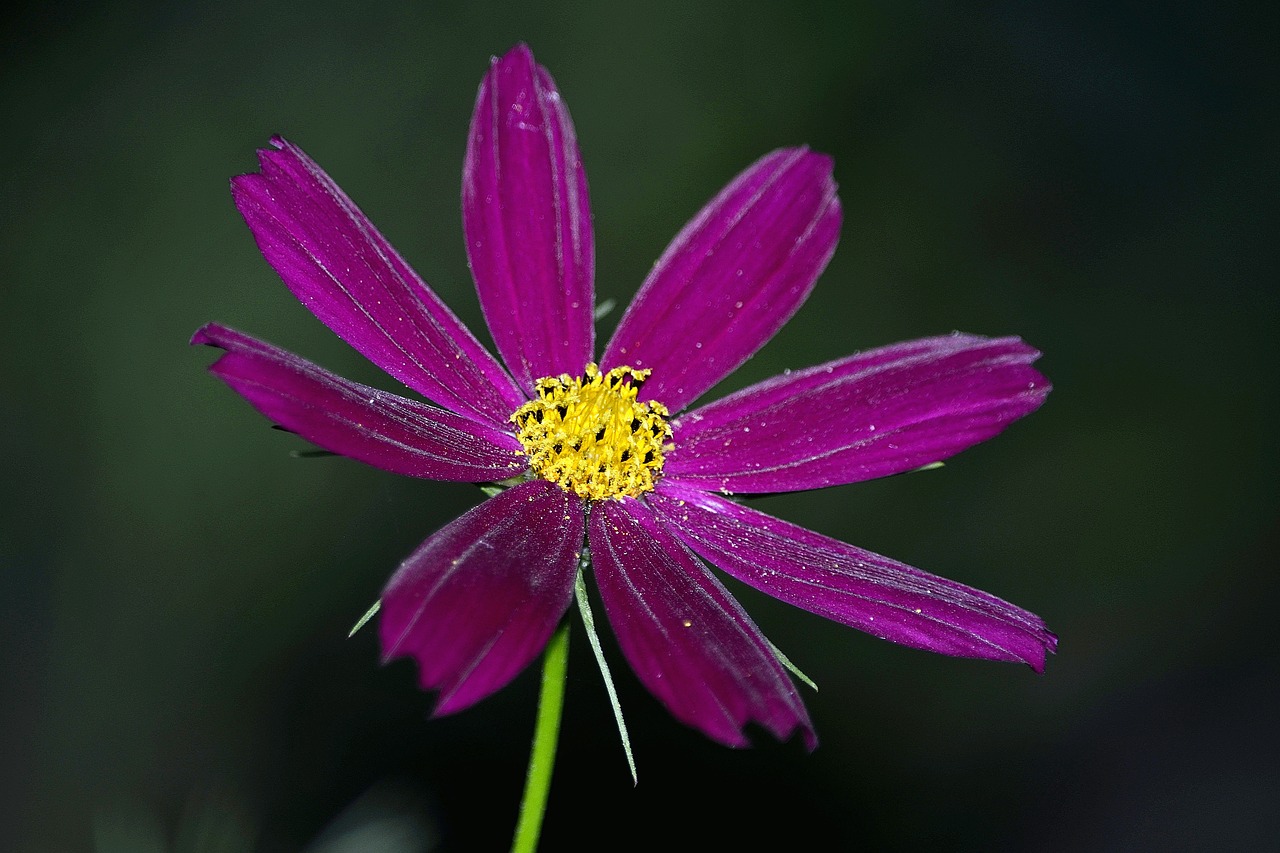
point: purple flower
(613, 456)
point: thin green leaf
(603, 309)
(584, 607)
(493, 489)
(795, 670)
(368, 614)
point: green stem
(542, 756)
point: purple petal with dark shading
(368, 424)
(528, 222)
(479, 599)
(732, 277)
(883, 597)
(872, 414)
(688, 640)
(333, 259)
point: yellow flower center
(590, 435)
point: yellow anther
(590, 435)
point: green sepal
(795, 670)
(589, 623)
(368, 614)
(603, 309)
(496, 488)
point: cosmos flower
(608, 452)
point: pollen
(591, 436)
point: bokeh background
(176, 588)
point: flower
(611, 454)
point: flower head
(610, 453)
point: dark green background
(175, 589)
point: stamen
(591, 436)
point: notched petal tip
(519, 52)
(202, 336)
(1049, 646)
(268, 161)
(803, 730)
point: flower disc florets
(591, 437)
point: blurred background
(176, 588)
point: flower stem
(546, 732)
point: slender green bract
(546, 733)
(589, 623)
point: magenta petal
(528, 221)
(333, 259)
(872, 414)
(732, 277)
(883, 597)
(373, 426)
(479, 599)
(688, 640)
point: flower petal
(732, 277)
(689, 641)
(479, 599)
(872, 414)
(333, 259)
(528, 221)
(883, 597)
(368, 424)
